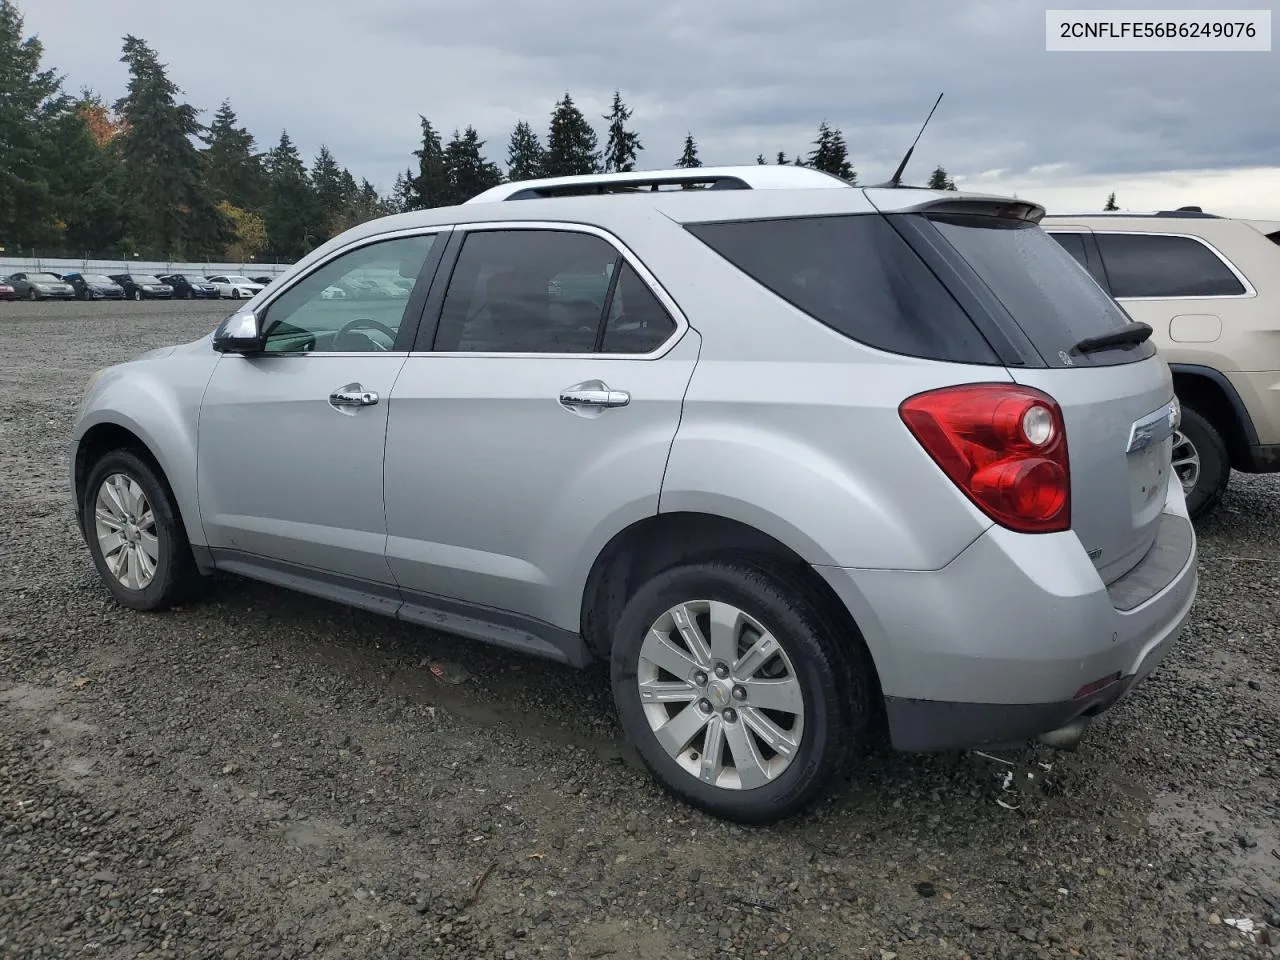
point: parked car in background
(264, 280)
(800, 461)
(235, 287)
(40, 286)
(1209, 286)
(7, 292)
(190, 286)
(94, 286)
(143, 286)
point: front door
(538, 425)
(291, 440)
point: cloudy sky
(743, 76)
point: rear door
(534, 424)
(1116, 402)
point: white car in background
(235, 287)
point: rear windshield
(856, 275)
(1042, 286)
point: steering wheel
(365, 322)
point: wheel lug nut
(730, 715)
(700, 678)
(722, 671)
(704, 706)
(739, 693)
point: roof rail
(754, 177)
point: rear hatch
(1116, 400)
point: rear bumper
(1011, 639)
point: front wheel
(135, 533)
(137, 294)
(235, 294)
(32, 295)
(742, 697)
(1201, 462)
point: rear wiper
(1130, 335)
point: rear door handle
(594, 394)
(353, 395)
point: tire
(1198, 441)
(235, 294)
(188, 295)
(174, 575)
(833, 678)
(137, 295)
(32, 295)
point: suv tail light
(1004, 446)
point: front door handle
(353, 395)
(594, 394)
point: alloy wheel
(125, 525)
(1186, 462)
(721, 695)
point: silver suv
(803, 462)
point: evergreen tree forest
(152, 175)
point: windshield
(96, 278)
(197, 280)
(42, 278)
(146, 279)
(1049, 295)
(239, 279)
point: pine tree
(331, 194)
(290, 211)
(233, 167)
(830, 154)
(402, 193)
(782, 159)
(86, 178)
(1111, 203)
(940, 180)
(571, 143)
(525, 156)
(689, 156)
(623, 145)
(29, 98)
(469, 172)
(164, 173)
(430, 188)
(760, 160)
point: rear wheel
(738, 693)
(135, 534)
(1201, 463)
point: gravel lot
(266, 775)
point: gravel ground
(266, 775)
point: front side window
(1156, 265)
(355, 303)
(527, 291)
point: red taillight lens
(1004, 445)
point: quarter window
(355, 303)
(1154, 265)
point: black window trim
(430, 325)
(414, 306)
(1249, 290)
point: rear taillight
(1004, 445)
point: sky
(743, 76)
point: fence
(38, 264)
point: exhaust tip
(1066, 737)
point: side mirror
(239, 333)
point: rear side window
(856, 275)
(1041, 286)
(1153, 265)
(1073, 243)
